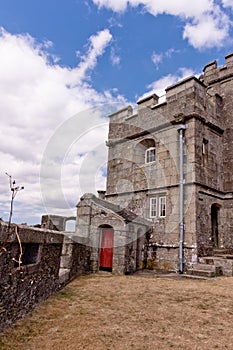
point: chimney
(101, 194)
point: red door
(106, 249)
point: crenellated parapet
(214, 74)
(189, 97)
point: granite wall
(41, 273)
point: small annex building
(169, 194)
(115, 234)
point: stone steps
(222, 251)
(201, 273)
(222, 264)
(205, 270)
(209, 260)
(204, 266)
(194, 277)
(224, 256)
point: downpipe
(181, 128)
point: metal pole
(181, 129)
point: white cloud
(206, 24)
(227, 3)
(115, 58)
(207, 31)
(37, 96)
(157, 58)
(97, 45)
(184, 8)
(114, 22)
(181, 8)
(115, 5)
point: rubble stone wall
(23, 286)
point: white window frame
(148, 151)
(162, 207)
(153, 207)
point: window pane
(162, 206)
(150, 155)
(153, 207)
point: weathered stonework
(203, 107)
(95, 214)
(50, 260)
(135, 223)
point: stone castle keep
(169, 194)
(168, 203)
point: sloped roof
(127, 215)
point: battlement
(191, 89)
(184, 87)
(186, 96)
(213, 73)
(148, 101)
(204, 96)
(122, 114)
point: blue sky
(60, 58)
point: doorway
(214, 225)
(140, 241)
(106, 248)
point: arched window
(70, 224)
(150, 155)
(145, 152)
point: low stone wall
(39, 275)
(75, 259)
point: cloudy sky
(66, 64)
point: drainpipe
(180, 128)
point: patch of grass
(28, 333)
(65, 293)
(1, 344)
(129, 312)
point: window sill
(147, 164)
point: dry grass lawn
(130, 312)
